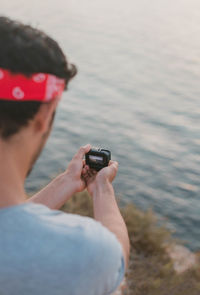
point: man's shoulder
(32, 216)
(36, 219)
(45, 242)
(45, 215)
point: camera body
(98, 158)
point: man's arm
(105, 206)
(61, 189)
(107, 212)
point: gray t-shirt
(48, 252)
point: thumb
(112, 169)
(113, 166)
(82, 151)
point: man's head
(27, 51)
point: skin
(20, 152)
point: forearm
(56, 193)
(107, 212)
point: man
(43, 250)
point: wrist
(67, 183)
(102, 187)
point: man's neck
(12, 176)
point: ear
(43, 117)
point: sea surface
(137, 93)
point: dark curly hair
(27, 50)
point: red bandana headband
(39, 87)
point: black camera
(98, 158)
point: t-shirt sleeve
(105, 258)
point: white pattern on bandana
(51, 87)
(39, 78)
(18, 93)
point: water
(137, 93)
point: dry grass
(151, 270)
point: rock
(182, 258)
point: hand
(75, 168)
(106, 175)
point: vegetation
(151, 270)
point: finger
(90, 174)
(84, 180)
(82, 151)
(93, 172)
(86, 176)
(90, 170)
(113, 163)
(84, 171)
(113, 166)
(87, 167)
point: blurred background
(137, 93)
